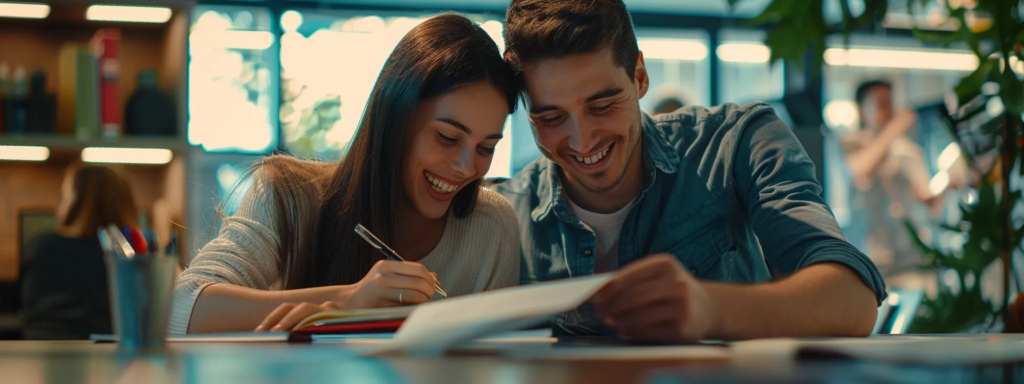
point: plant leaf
(970, 86)
(1011, 93)
(944, 38)
(775, 10)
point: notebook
(340, 317)
(363, 323)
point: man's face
(585, 112)
(877, 108)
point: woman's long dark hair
(319, 248)
(101, 197)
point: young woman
(411, 176)
(63, 276)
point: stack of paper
(436, 326)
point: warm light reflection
(673, 49)
(743, 53)
(130, 14)
(126, 155)
(24, 10)
(24, 153)
(910, 59)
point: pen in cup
(389, 253)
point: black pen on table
(389, 253)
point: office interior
(246, 79)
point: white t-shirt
(607, 227)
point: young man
(891, 178)
(712, 217)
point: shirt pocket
(700, 247)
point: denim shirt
(728, 190)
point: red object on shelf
(106, 44)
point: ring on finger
(400, 292)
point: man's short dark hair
(865, 87)
(550, 29)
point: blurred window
(677, 65)
(330, 61)
(231, 98)
(744, 73)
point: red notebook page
(305, 334)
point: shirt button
(586, 252)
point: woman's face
(452, 143)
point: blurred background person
(890, 178)
(668, 99)
(64, 279)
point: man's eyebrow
(542, 108)
(604, 93)
(609, 92)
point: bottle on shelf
(6, 96)
(42, 106)
(19, 102)
(150, 110)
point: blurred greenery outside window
(231, 96)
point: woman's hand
(388, 284)
(391, 284)
(287, 315)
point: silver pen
(389, 253)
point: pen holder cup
(140, 299)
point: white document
(437, 325)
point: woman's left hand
(287, 315)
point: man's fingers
(641, 296)
(644, 270)
(274, 317)
(295, 316)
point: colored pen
(138, 241)
(120, 241)
(389, 253)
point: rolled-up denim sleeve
(795, 227)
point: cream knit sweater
(476, 253)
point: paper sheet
(437, 325)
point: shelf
(69, 143)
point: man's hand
(655, 299)
(902, 122)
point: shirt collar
(657, 153)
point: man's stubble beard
(632, 142)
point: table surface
(89, 362)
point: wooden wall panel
(36, 186)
